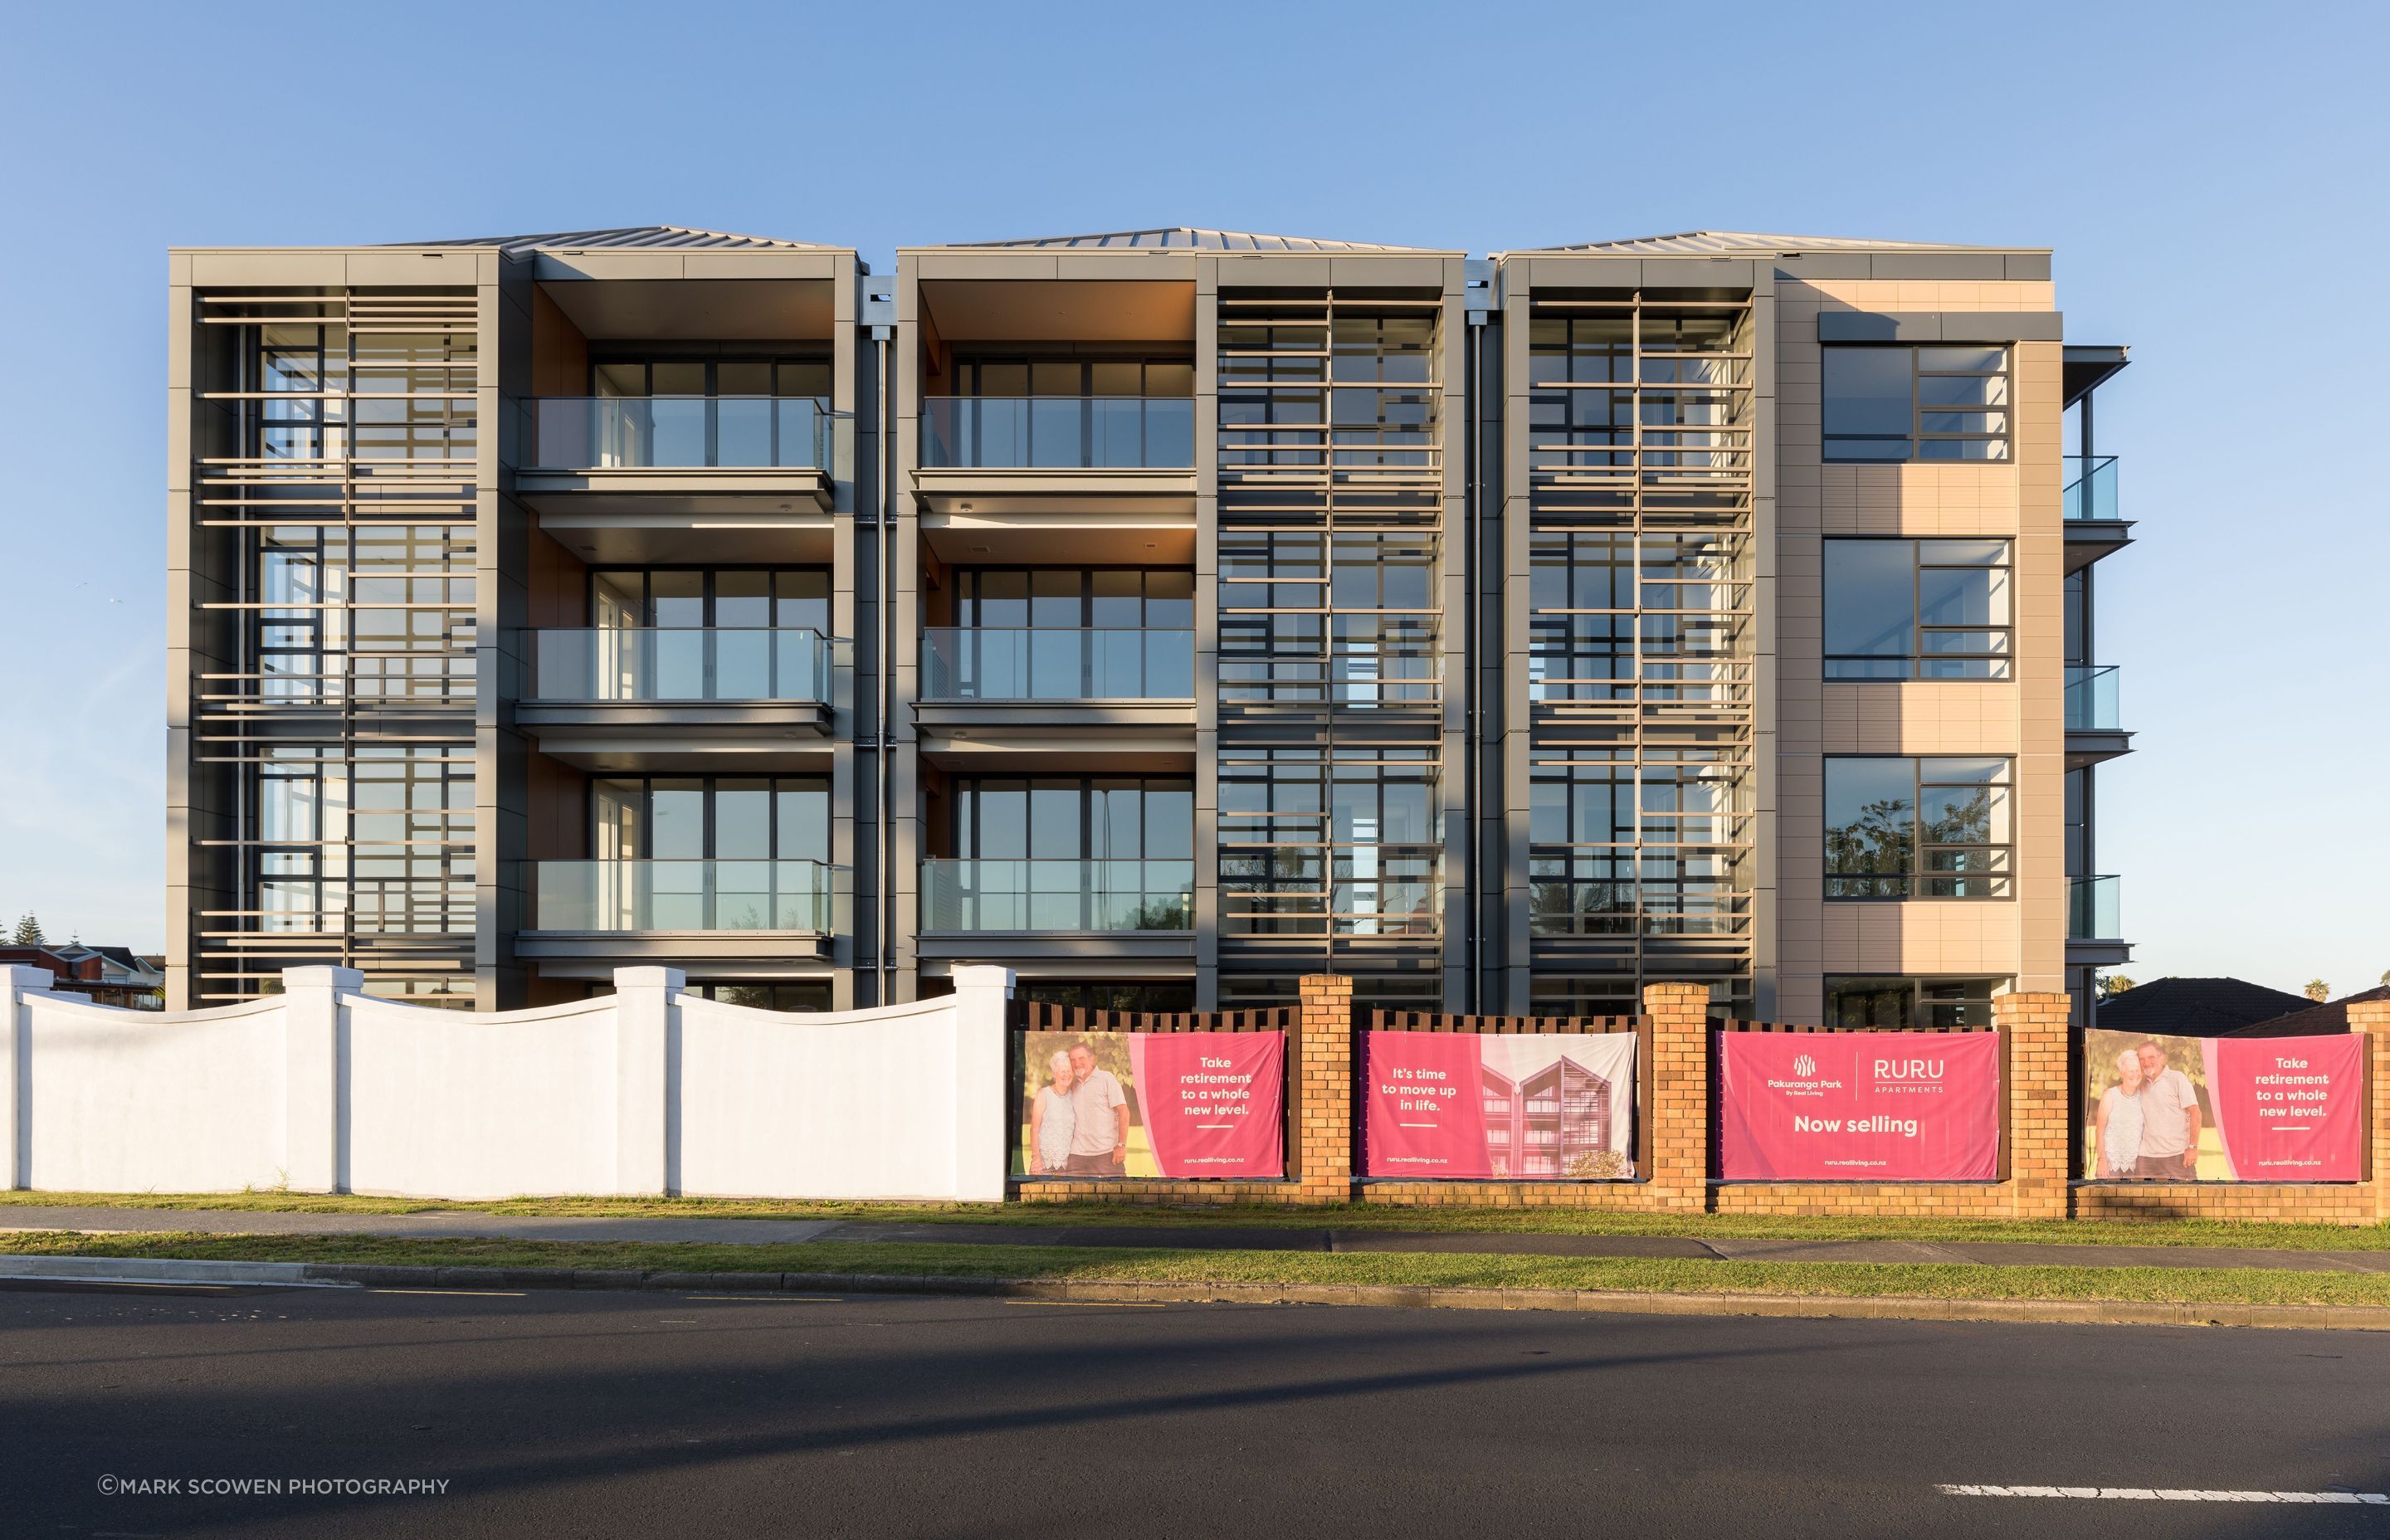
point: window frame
(1918, 436)
(2000, 661)
(1997, 875)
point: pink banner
(1858, 1106)
(2288, 1108)
(1426, 1117)
(1555, 1107)
(1213, 1101)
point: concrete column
(15, 1082)
(642, 1082)
(1678, 1015)
(2040, 1133)
(1319, 1089)
(983, 1099)
(311, 1037)
(2372, 1019)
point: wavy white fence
(649, 1090)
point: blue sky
(2163, 150)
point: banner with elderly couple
(1458, 1106)
(1858, 1106)
(2171, 1108)
(1098, 1105)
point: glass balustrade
(2091, 700)
(2091, 488)
(2091, 909)
(994, 663)
(666, 663)
(1056, 895)
(1061, 432)
(670, 432)
(682, 896)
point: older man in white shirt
(2169, 1120)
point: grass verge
(1348, 1216)
(2223, 1286)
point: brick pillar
(1319, 1088)
(2040, 1133)
(1679, 1016)
(2372, 1019)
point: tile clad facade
(1171, 616)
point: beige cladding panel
(2024, 938)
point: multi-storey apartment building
(1164, 614)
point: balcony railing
(2091, 909)
(1058, 895)
(2092, 492)
(677, 432)
(618, 663)
(2091, 700)
(682, 896)
(1061, 432)
(982, 663)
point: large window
(707, 817)
(688, 598)
(1917, 609)
(1071, 818)
(1892, 404)
(723, 377)
(1113, 599)
(1902, 827)
(1922, 1004)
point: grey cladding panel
(1941, 325)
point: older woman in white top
(2119, 1125)
(1052, 1119)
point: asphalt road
(603, 1414)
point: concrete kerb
(1382, 1296)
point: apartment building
(1164, 614)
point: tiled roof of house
(1736, 243)
(2315, 1020)
(631, 237)
(2194, 1007)
(1181, 237)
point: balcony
(2093, 525)
(695, 909)
(1058, 908)
(2094, 730)
(718, 455)
(1058, 432)
(608, 697)
(1050, 455)
(2094, 928)
(988, 663)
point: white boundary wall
(650, 1090)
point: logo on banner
(1805, 1081)
(1913, 1076)
(1805, 1066)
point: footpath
(1183, 1238)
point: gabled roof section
(632, 237)
(1180, 237)
(1748, 243)
(2194, 1007)
(2315, 1020)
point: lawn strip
(1354, 1216)
(2232, 1286)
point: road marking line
(463, 1293)
(766, 1299)
(2165, 1494)
(1096, 1304)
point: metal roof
(633, 236)
(1180, 237)
(1735, 243)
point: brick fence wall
(2041, 1132)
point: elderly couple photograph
(1079, 1118)
(2146, 1123)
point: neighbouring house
(2196, 1008)
(2312, 1020)
(110, 975)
